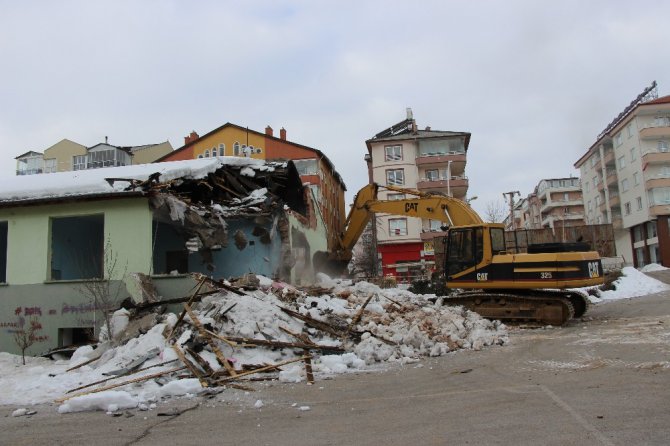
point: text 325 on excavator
(534, 286)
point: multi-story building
(314, 167)
(427, 160)
(560, 201)
(626, 179)
(67, 155)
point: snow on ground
(632, 283)
(397, 326)
(653, 267)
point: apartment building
(427, 160)
(66, 155)
(626, 179)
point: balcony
(546, 207)
(617, 221)
(28, 171)
(655, 157)
(442, 159)
(457, 185)
(609, 159)
(655, 132)
(651, 183)
(615, 201)
(611, 177)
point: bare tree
(495, 211)
(101, 292)
(24, 336)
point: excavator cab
(470, 250)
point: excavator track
(547, 307)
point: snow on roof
(92, 181)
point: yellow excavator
(483, 275)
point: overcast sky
(533, 81)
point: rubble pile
(231, 337)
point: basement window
(77, 247)
(3, 252)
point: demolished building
(222, 217)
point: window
(622, 162)
(79, 162)
(626, 207)
(637, 233)
(435, 225)
(624, 185)
(3, 251)
(639, 203)
(396, 197)
(397, 226)
(566, 196)
(633, 154)
(207, 153)
(432, 175)
(236, 149)
(306, 166)
(597, 200)
(662, 121)
(595, 181)
(589, 206)
(587, 186)
(200, 156)
(636, 179)
(662, 146)
(618, 139)
(222, 149)
(50, 165)
(629, 130)
(393, 153)
(77, 247)
(593, 160)
(651, 229)
(395, 177)
(214, 153)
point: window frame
(394, 173)
(393, 156)
(397, 232)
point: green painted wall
(127, 228)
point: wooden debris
(118, 376)
(190, 366)
(201, 362)
(262, 369)
(84, 363)
(281, 344)
(358, 315)
(320, 325)
(205, 334)
(183, 313)
(308, 359)
(131, 381)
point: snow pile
(652, 267)
(632, 283)
(394, 326)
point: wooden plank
(114, 386)
(259, 370)
(205, 334)
(118, 376)
(183, 313)
(320, 325)
(190, 366)
(281, 344)
(201, 361)
(358, 315)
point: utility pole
(511, 206)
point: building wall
(151, 153)
(228, 136)
(63, 152)
(55, 305)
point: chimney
(105, 140)
(191, 137)
(410, 115)
(268, 131)
(428, 128)
(282, 133)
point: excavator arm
(451, 211)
